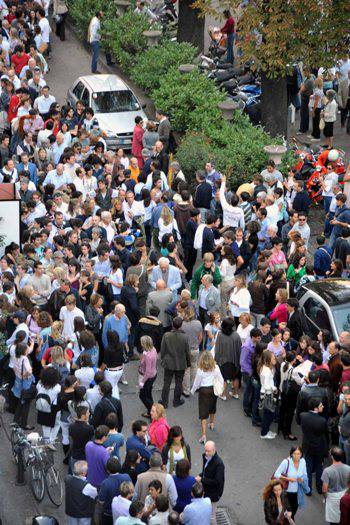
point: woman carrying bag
(24, 386)
(268, 392)
(292, 473)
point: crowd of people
(122, 259)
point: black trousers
(146, 393)
(293, 502)
(21, 414)
(316, 133)
(190, 261)
(168, 376)
(304, 113)
(287, 409)
(61, 27)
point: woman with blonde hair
(147, 372)
(167, 224)
(244, 327)
(207, 374)
(280, 313)
(159, 429)
(59, 361)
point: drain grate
(222, 517)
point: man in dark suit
(175, 358)
(311, 391)
(212, 476)
(295, 320)
(162, 157)
(315, 441)
(203, 194)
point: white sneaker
(272, 434)
(267, 436)
(124, 382)
(315, 140)
(224, 398)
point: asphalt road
(249, 460)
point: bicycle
(38, 460)
(3, 401)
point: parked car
(325, 304)
(114, 104)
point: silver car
(114, 104)
(325, 304)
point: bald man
(212, 476)
(162, 299)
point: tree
(190, 24)
(275, 34)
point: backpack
(43, 403)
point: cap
(20, 315)
(4, 77)
(57, 255)
(36, 68)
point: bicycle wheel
(14, 438)
(37, 480)
(54, 486)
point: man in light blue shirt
(57, 177)
(118, 322)
(199, 510)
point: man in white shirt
(271, 169)
(44, 26)
(132, 208)
(302, 227)
(94, 38)
(71, 166)
(57, 177)
(43, 103)
(328, 181)
(41, 284)
(19, 318)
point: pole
(20, 467)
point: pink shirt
(158, 432)
(277, 258)
(280, 313)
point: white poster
(9, 224)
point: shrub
(189, 99)
(237, 148)
(123, 36)
(82, 11)
(153, 65)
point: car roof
(333, 291)
(98, 83)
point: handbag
(29, 393)
(218, 385)
(322, 124)
(268, 402)
(283, 482)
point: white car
(114, 104)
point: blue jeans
(267, 418)
(248, 392)
(95, 48)
(229, 46)
(255, 402)
(314, 464)
(333, 239)
(327, 224)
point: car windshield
(114, 102)
(342, 319)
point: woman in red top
(136, 148)
(280, 312)
(159, 429)
(229, 29)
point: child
(211, 329)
